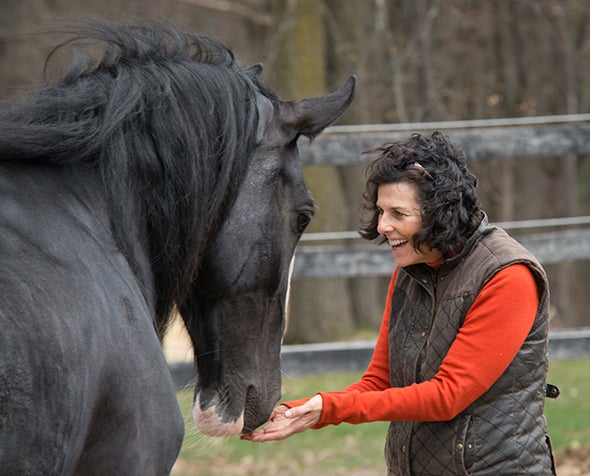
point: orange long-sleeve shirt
(494, 329)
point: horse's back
(84, 387)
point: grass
(358, 449)
(569, 415)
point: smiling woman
(463, 340)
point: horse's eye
(303, 219)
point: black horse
(155, 175)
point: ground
(574, 462)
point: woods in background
(417, 60)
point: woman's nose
(384, 226)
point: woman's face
(400, 220)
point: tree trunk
(320, 311)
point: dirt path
(574, 462)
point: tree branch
(235, 8)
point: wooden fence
(503, 138)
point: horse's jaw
(210, 423)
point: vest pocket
(548, 440)
(465, 445)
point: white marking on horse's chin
(208, 422)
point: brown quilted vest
(504, 432)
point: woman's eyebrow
(393, 207)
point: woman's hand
(284, 421)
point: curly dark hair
(446, 190)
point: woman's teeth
(396, 243)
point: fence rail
(507, 225)
(313, 359)
(515, 138)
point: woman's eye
(303, 219)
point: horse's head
(205, 159)
(236, 313)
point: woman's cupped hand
(285, 421)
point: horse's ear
(311, 116)
(255, 69)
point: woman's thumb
(297, 411)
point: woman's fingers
(279, 430)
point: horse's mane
(168, 120)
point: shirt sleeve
(376, 377)
(494, 329)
